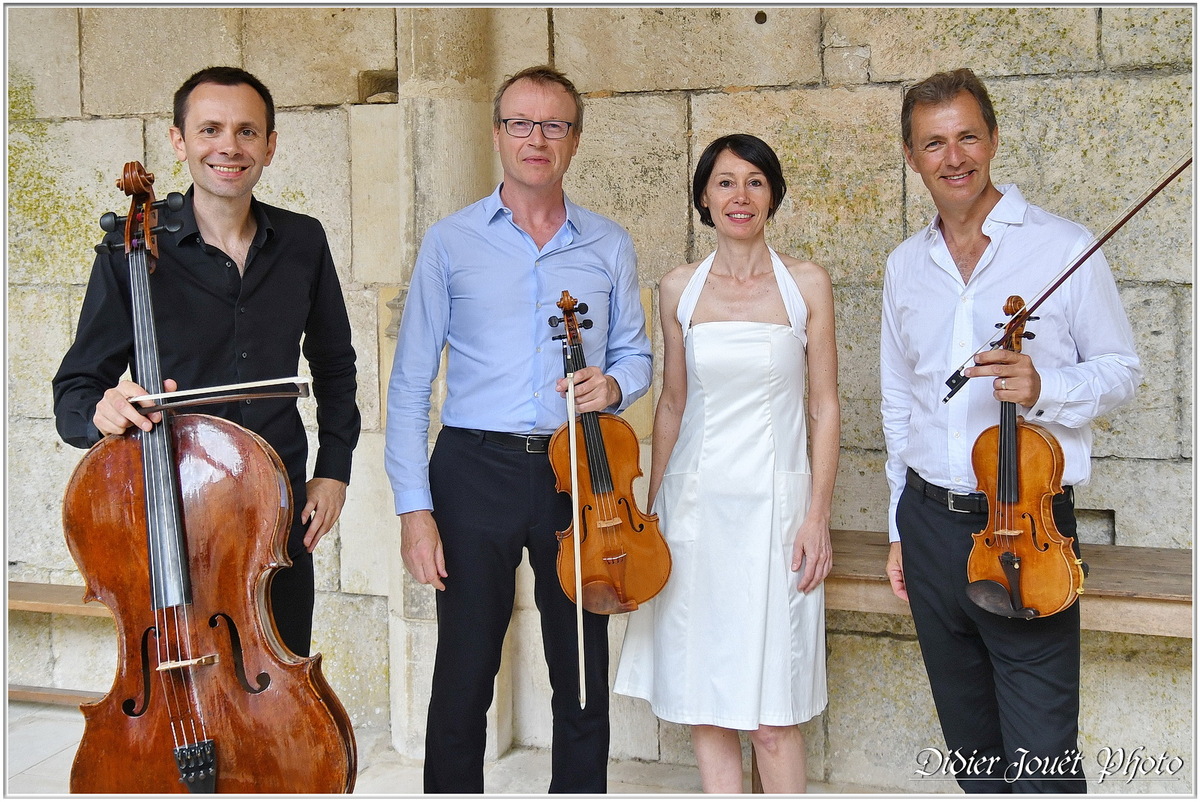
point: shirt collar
(189, 229)
(493, 206)
(1009, 210)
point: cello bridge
(171, 665)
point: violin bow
(1018, 320)
(576, 530)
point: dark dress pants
(491, 502)
(1001, 685)
(293, 595)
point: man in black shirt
(238, 289)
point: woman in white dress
(736, 641)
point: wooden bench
(1132, 589)
(1129, 589)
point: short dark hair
(943, 87)
(541, 74)
(224, 76)
(744, 146)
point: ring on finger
(1004, 384)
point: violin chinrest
(995, 598)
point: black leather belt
(958, 501)
(529, 443)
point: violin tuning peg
(585, 324)
(555, 321)
(1029, 335)
(581, 308)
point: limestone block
(633, 724)
(1136, 704)
(847, 65)
(369, 528)
(452, 158)
(857, 313)
(837, 148)
(1087, 148)
(113, 39)
(28, 650)
(309, 173)
(1142, 37)
(312, 56)
(43, 62)
(1186, 368)
(381, 192)
(686, 48)
(38, 336)
(446, 47)
(519, 38)
(860, 494)
(350, 634)
(85, 652)
(646, 190)
(412, 645)
(675, 744)
(1147, 426)
(362, 309)
(908, 44)
(532, 720)
(44, 464)
(874, 679)
(60, 180)
(1152, 500)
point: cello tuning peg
(171, 226)
(173, 202)
(104, 248)
(555, 321)
(109, 221)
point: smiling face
(534, 162)
(224, 140)
(952, 150)
(738, 197)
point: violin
(624, 560)
(178, 531)
(1020, 566)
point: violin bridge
(609, 522)
(171, 665)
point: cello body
(257, 698)
(178, 531)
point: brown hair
(943, 87)
(541, 74)
(224, 76)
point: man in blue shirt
(486, 281)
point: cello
(1020, 566)
(622, 558)
(178, 531)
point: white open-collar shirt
(933, 322)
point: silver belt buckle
(951, 495)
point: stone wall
(384, 127)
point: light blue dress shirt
(483, 289)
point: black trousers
(1006, 689)
(490, 503)
(293, 593)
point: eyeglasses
(551, 129)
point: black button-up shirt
(217, 326)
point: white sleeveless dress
(730, 641)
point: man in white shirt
(1006, 688)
